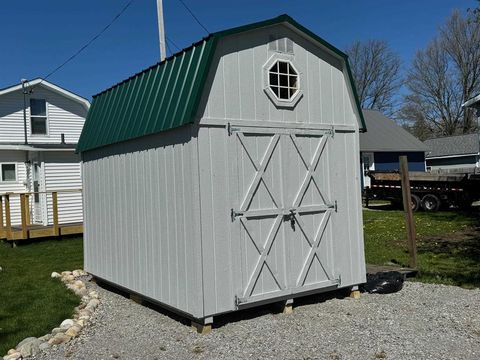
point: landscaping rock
(66, 273)
(92, 304)
(57, 331)
(25, 341)
(44, 346)
(12, 351)
(73, 331)
(45, 337)
(68, 278)
(59, 339)
(30, 348)
(55, 275)
(14, 356)
(66, 323)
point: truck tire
(415, 203)
(431, 202)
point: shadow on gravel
(233, 317)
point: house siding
(459, 162)
(65, 116)
(388, 161)
(17, 157)
(63, 172)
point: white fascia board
(55, 88)
(451, 156)
(32, 148)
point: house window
(283, 80)
(38, 116)
(9, 172)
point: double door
(283, 211)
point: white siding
(62, 171)
(64, 116)
(157, 208)
(17, 157)
(141, 218)
(236, 86)
(235, 93)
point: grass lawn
(31, 303)
(448, 244)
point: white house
(39, 129)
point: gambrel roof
(52, 87)
(167, 94)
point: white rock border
(69, 328)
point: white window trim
(1, 173)
(286, 103)
(47, 122)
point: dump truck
(430, 191)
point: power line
(127, 5)
(168, 48)
(193, 15)
(171, 42)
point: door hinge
(238, 301)
(333, 206)
(229, 129)
(331, 132)
(234, 214)
(339, 279)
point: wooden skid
(202, 328)
(355, 294)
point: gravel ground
(420, 322)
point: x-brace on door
(283, 211)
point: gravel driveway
(420, 322)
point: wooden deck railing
(26, 229)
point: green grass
(31, 303)
(448, 244)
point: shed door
(283, 211)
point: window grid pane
(283, 80)
(8, 172)
(38, 125)
(38, 107)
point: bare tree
(445, 75)
(376, 71)
(461, 41)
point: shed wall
(235, 93)
(141, 226)
(237, 82)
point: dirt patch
(465, 243)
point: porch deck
(26, 230)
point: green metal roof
(166, 95)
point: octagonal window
(283, 80)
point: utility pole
(24, 90)
(161, 30)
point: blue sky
(39, 35)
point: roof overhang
(52, 87)
(450, 156)
(472, 101)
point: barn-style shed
(227, 175)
